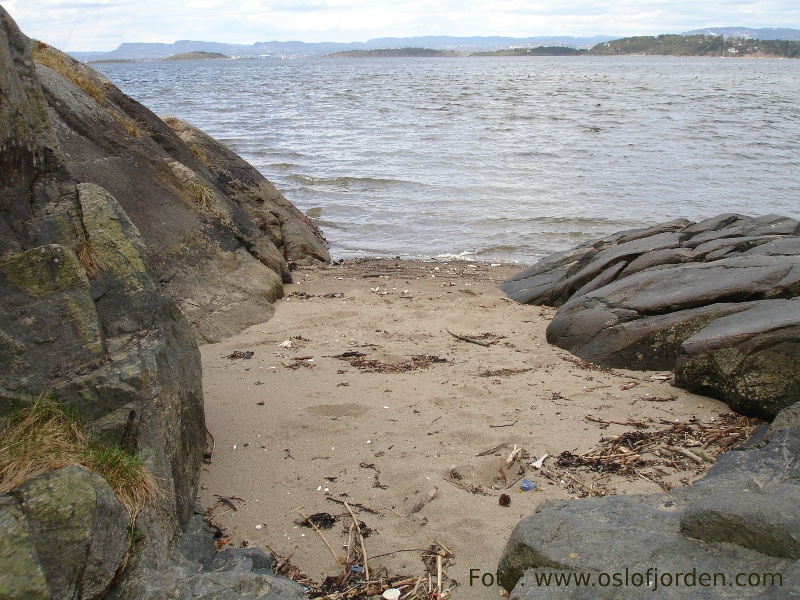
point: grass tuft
(201, 194)
(42, 437)
(44, 55)
(87, 255)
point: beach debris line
(628, 423)
(236, 354)
(587, 366)
(417, 362)
(506, 372)
(358, 579)
(655, 456)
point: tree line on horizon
(697, 45)
(661, 45)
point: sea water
(496, 158)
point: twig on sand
(466, 338)
(356, 504)
(493, 450)
(689, 454)
(629, 423)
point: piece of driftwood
(428, 497)
(466, 338)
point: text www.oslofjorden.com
(652, 579)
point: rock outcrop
(219, 236)
(741, 518)
(715, 300)
(111, 231)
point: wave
(360, 182)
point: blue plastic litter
(527, 485)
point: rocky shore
(121, 246)
(140, 264)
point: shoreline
(364, 388)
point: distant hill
(390, 53)
(772, 33)
(152, 51)
(295, 49)
(537, 51)
(698, 45)
(197, 56)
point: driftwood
(466, 338)
(428, 497)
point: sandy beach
(378, 381)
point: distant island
(390, 53)
(698, 45)
(197, 55)
(535, 51)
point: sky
(102, 25)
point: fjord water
(496, 158)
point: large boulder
(64, 536)
(740, 518)
(712, 300)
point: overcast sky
(81, 25)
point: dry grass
(199, 154)
(44, 55)
(42, 438)
(201, 194)
(87, 255)
(127, 124)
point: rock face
(740, 518)
(715, 300)
(218, 235)
(108, 223)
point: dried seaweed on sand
(686, 447)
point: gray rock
(21, 573)
(766, 520)
(106, 216)
(76, 534)
(708, 299)
(751, 359)
(195, 570)
(740, 518)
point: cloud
(104, 24)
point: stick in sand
(310, 522)
(465, 338)
(361, 539)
